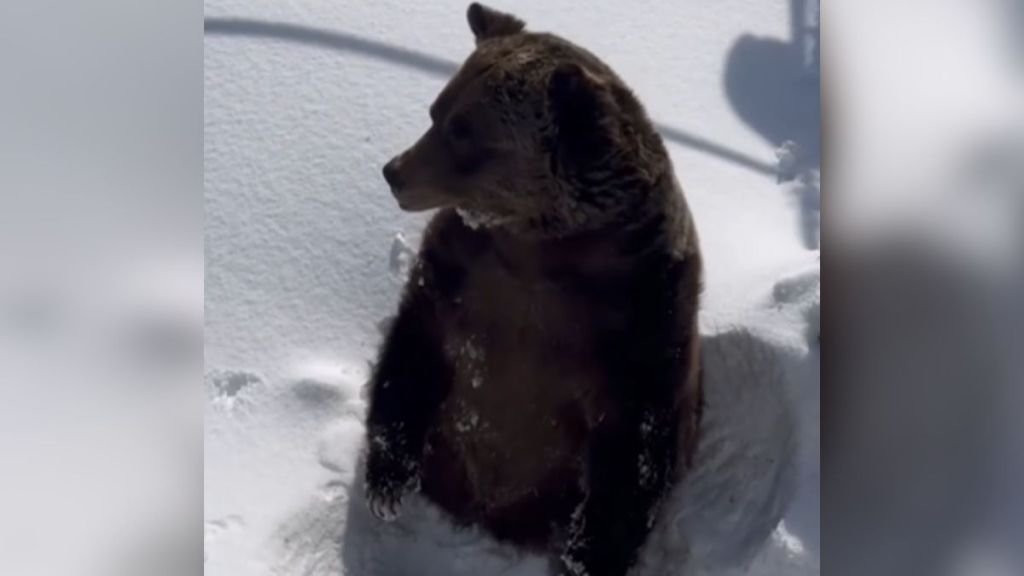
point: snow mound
(726, 517)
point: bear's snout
(391, 172)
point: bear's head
(532, 134)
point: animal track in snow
(802, 292)
(227, 387)
(335, 490)
(329, 386)
(317, 393)
(798, 288)
(216, 529)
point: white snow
(306, 253)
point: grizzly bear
(541, 380)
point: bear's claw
(384, 508)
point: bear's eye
(459, 129)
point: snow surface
(306, 252)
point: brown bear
(541, 379)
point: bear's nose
(391, 172)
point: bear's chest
(527, 379)
(522, 338)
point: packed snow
(306, 253)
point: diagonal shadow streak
(344, 42)
(339, 41)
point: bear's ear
(570, 84)
(580, 105)
(489, 23)
(577, 98)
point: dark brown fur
(542, 377)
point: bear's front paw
(385, 505)
(385, 495)
(390, 477)
(585, 557)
